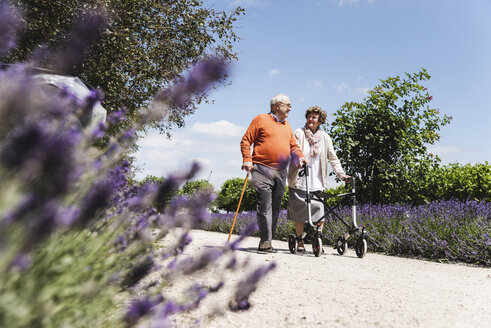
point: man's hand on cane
(247, 166)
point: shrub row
(443, 231)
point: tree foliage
(142, 47)
(229, 195)
(193, 186)
(463, 182)
(387, 135)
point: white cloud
(345, 87)
(273, 72)
(249, 3)
(221, 128)
(317, 84)
(342, 87)
(447, 153)
(343, 2)
(361, 91)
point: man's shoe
(266, 247)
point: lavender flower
(139, 271)
(199, 79)
(247, 286)
(249, 230)
(192, 265)
(21, 262)
(115, 117)
(141, 307)
(9, 25)
(82, 37)
(97, 199)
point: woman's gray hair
(279, 98)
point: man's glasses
(287, 105)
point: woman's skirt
(297, 207)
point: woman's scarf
(314, 140)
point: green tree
(192, 186)
(386, 135)
(144, 46)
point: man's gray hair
(279, 98)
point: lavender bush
(77, 238)
(443, 231)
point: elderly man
(273, 142)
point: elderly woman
(318, 149)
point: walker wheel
(361, 247)
(341, 246)
(292, 244)
(317, 247)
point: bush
(427, 182)
(229, 195)
(462, 182)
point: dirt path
(345, 291)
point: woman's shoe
(301, 248)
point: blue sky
(327, 52)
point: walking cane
(240, 201)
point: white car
(51, 82)
(78, 88)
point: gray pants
(270, 186)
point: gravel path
(345, 291)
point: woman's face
(313, 122)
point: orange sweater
(273, 142)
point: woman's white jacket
(326, 154)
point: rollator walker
(312, 229)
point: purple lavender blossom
(191, 265)
(117, 116)
(249, 230)
(82, 37)
(9, 25)
(138, 272)
(217, 287)
(141, 307)
(100, 130)
(170, 307)
(96, 199)
(21, 262)
(247, 286)
(184, 240)
(198, 80)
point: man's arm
(246, 143)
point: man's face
(282, 109)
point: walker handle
(305, 173)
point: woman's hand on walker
(302, 161)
